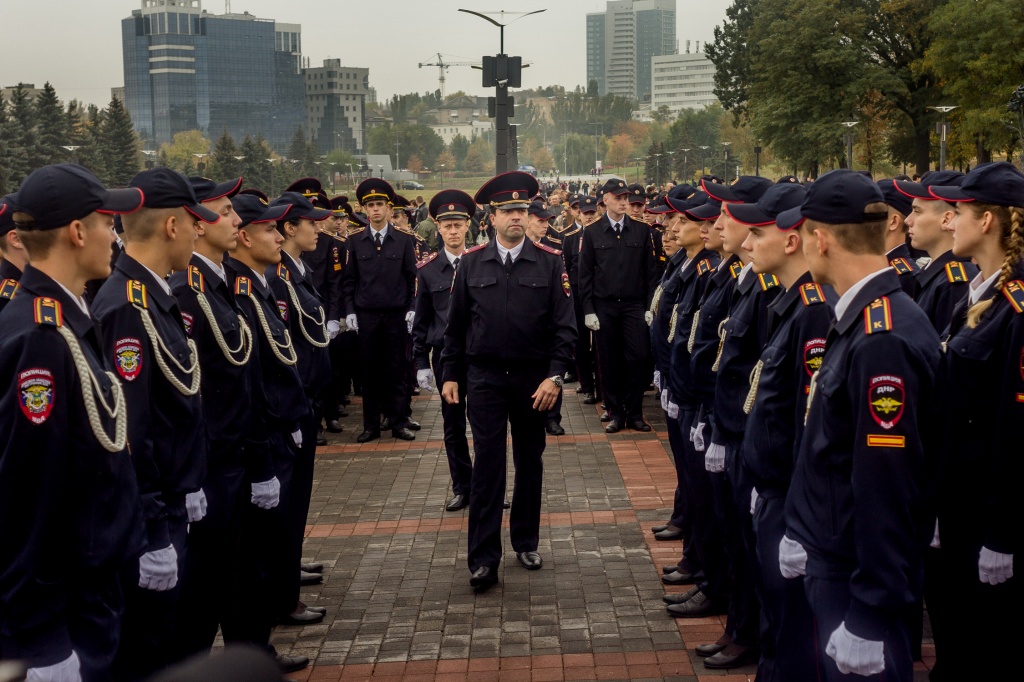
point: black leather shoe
(697, 606)
(342, 412)
(681, 596)
(310, 578)
(458, 502)
(733, 656)
(315, 609)
(321, 440)
(483, 578)
(678, 578)
(385, 423)
(312, 567)
(416, 390)
(291, 664)
(367, 436)
(639, 425)
(658, 529)
(334, 426)
(580, 389)
(570, 378)
(554, 428)
(403, 433)
(706, 650)
(670, 533)
(665, 570)
(589, 399)
(530, 560)
(413, 425)
(605, 417)
(614, 426)
(305, 617)
(506, 505)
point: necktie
(618, 228)
(455, 263)
(508, 263)
(379, 240)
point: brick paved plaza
(396, 583)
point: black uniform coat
(314, 363)
(617, 268)
(695, 279)
(434, 290)
(942, 285)
(9, 276)
(713, 309)
(384, 280)
(327, 261)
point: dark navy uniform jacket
(9, 276)
(746, 334)
(314, 362)
(327, 261)
(902, 261)
(384, 280)
(856, 502)
(662, 305)
(500, 318)
(434, 291)
(799, 322)
(166, 429)
(68, 507)
(695, 279)
(983, 383)
(617, 268)
(571, 239)
(713, 309)
(942, 285)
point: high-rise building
(186, 69)
(633, 32)
(336, 105)
(683, 81)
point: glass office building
(187, 69)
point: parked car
(411, 184)
(528, 169)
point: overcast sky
(76, 45)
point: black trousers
(707, 543)
(338, 387)
(499, 398)
(297, 511)
(732, 505)
(585, 362)
(212, 560)
(383, 340)
(95, 609)
(623, 349)
(348, 371)
(456, 445)
(680, 516)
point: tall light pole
(686, 159)
(943, 129)
(671, 171)
(725, 165)
(703, 149)
(657, 168)
(848, 139)
(597, 160)
(398, 159)
(271, 162)
(637, 161)
(200, 166)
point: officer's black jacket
(8, 271)
(666, 303)
(500, 318)
(695, 279)
(571, 239)
(314, 363)
(327, 261)
(902, 261)
(800, 319)
(166, 430)
(617, 268)
(746, 333)
(856, 502)
(938, 290)
(983, 382)
(67, 505)
(714, 308)
(433, 294)
(384, 280)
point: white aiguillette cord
(91, 389)
(302, 314)
(161, 350)
(274, 345)
(243, 328)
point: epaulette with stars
(340, 238)
(426, 260)
(356, 231)
(878, 316)
(811, 294)
(569, 234)
(545, 247)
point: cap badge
(515, 195)
(451, 207)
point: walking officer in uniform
(510, 336)
(451, 209)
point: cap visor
(787, 220)
(273, 214)
(225, 189)
(319, 214)
(708, 211)
(509, 207)
(949, 193)
(749, 214)
(718, 192)
(117, 201)
(914, 190)
(203, 213)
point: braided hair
(1012, 242)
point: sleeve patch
(35, 394)
(565, 285)
(955, 272)
(1014, 293)
(187, 319)
(128, 358)
(885, 398)
(878, 316)
(814, 355)
(282, 307)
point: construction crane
(443, 66)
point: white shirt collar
(160, 280)
(77, 299)
(297, 263)
(383, 233)
(744, 272)
(260, 277)
(219, 269)
(515, 251)
(979, 286)
(452, 256)
(846, 299)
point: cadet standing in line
(70, 517)
(584, 369)
(13, 257)
(897, 251)
(451, 209)
(509, 337)
(856, 518)
(144, 334)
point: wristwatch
(556, 380)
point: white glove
(267, 494)
(657, 379)
(672, 410)
(854, 654)
(792, 559)
(68, 670)
(342, 326)
(591, 322)
(425, 379)
(935, 538)
(714, 458)
(409, 317)
(648, 317)
(352, 323)
(158, 571)
(666, 396)
(195, 505)
(993, 567)
(297, 438)
(753, 500)
(333, 328)
(698, 437)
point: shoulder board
(703, 267)
(1014, 293)
(901, 266)
(478, 247)
(555, 240)
(8, 288)
(47, 312)
(812, 294)
(426, 260)
(545, 247)
(569, 234)
(282, 272)
(767, 281)
(137, 294)
(878, 316)
(417, 237)
(955, 272)
(339, 238)
(356, 231)
(195, 279)
(735, 269)
(243, 286)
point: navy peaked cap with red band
(746, 190)
(300, 207)
(252, 208)
(839, 197)
(167, 188)
(208, 190)
(919, 190)
(998, 183)
(451, 203)
(777, 199)
(54, 196)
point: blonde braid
(1013, 243)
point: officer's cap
(340, 207)
(746, 190)
(254, 209)
(357, 220)
(998, 183)
(300, 207)
(508, 190)
(919, 190)
(400, 202)
(637, 194)
(588, 204)
(787, 178)
(839, 197)
(574, 199)
(451, 203)
(6, 214)
(682, 205)
(208, 190)
(659, 206)
(256, 193)
(615, 187)
(683, 191)
(538, 209)
(894, 197)
(54, 196)
(777, 199)
(307, 187)
(167, 188)
(372, 189)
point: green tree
(20, 138)
(730, 54)
(222, 164)
(459, 147)
(51, 129)
(256, 163)
(14, 161)
(182, 149)
(83, 129)
(120, 145)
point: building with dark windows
(187, 69)
(595, 51)
(622, 42)
(336, 98)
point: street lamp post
(703, 149)
(597, 161)
(637, 162)
(686, 159)
(943, 129)
(149, 158)
(657, 168)
(757, 160)
(271, 162)
(200, 166)
(848, 139)
(671, 172)
(725, 165)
